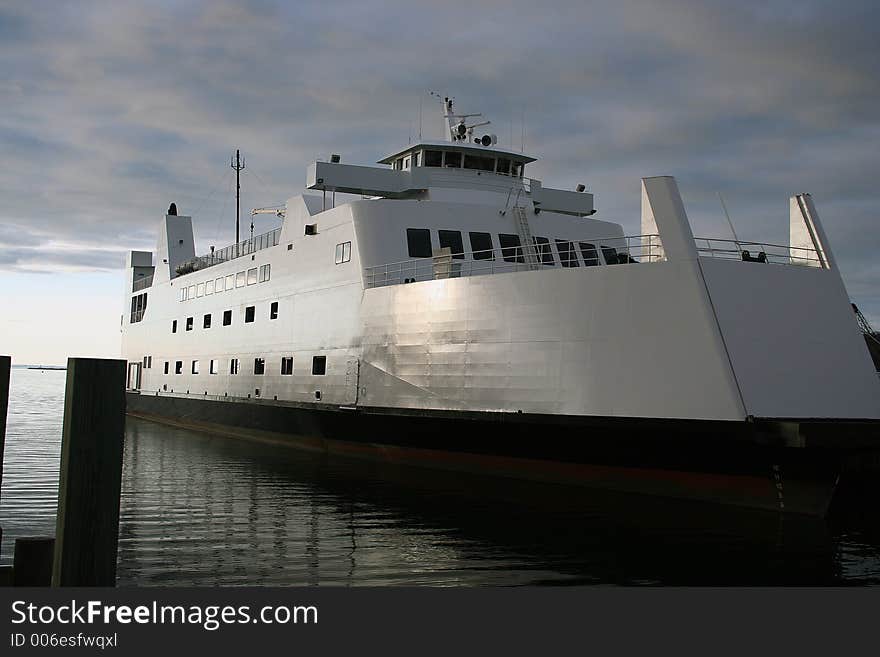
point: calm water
(198, 509)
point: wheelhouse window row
(251, 276)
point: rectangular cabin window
(343, 252)
(174, 326)
(273, 310)
(206, 321)
(287, 365)
(511, 249)
(200, 290)
(252, 276)
(610, 254)
(452, 239)
(183, 294)
(145, 362)
(195, 367)
(189, 323)
(191, 294)
(249, 314)
(209, 288)
(233, 365)
(406, 162)
(265, 273)
(259, 366)
(227, 317)
(319, 365)
(588, 251)
(416, 158)
(545, 254)
(516, 170)
(239, 279)
(479, 162)
(230, 281)
(452, 160)
(503, 166)
(433, 158)
(418, 241)
(567, 255)
(481, 245)
(218, 285)
(178, 367)
(214, 367)
(167, 365)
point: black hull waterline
(773, 465)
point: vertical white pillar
(663, 214)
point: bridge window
(319, 365)
(567, 255)
(511, 248)
(259, 365)
(481, 245)
(588, 251)
(517, 170)
(287, 365)
(610, 254)
(200, 289)
(265, 273)
(252, 276)
(479, 162)
(192, 292)
(452, 239)
(415, 158)
(453, 160)
(542, 246)
(503, 166)
(433, 158)
(239, 279)
(218, 285)
(209, 287)
(229, 281)
(418, 242)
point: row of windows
(319, 366)
(250, 313)
(419, 245)
(225, 283)
(458, 160)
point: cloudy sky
(112, 110)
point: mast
(238, 165)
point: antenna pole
(729, 222)
(238, 165)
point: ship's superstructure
(458, 296)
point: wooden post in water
(32, 561)
(90, 482)
(5, 364)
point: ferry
(452, 312)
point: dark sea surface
(205, 510)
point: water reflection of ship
(222, 512)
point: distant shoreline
(42, 367)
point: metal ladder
(525, 237)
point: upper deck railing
(591, 251)
(775, 254)
(231, 252)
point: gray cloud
(109, 114)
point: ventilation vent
(311, 229)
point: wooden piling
(32, 561)
(5, 365)
(87, 529)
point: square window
(567, 254)
(174, 326)
(287, 365)
(273, 310)
(588, 251)
(319, 365)
(418, 241)
(249, 313)
(433, 158)
(206, 321)
(195, 367)
(481, 245)
(453, 160)
(218, 285)
(259, 365)
(542, 247)
(230, 282)
(239, 279)
(511, 250)
(252, 276)
(452, 239)
(189, 323)
(178, 367)
(233, 365)
(610, 255)
(167, 364)
(214, 366)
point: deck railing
(764, 252)
(587, 252)
(231, 252)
